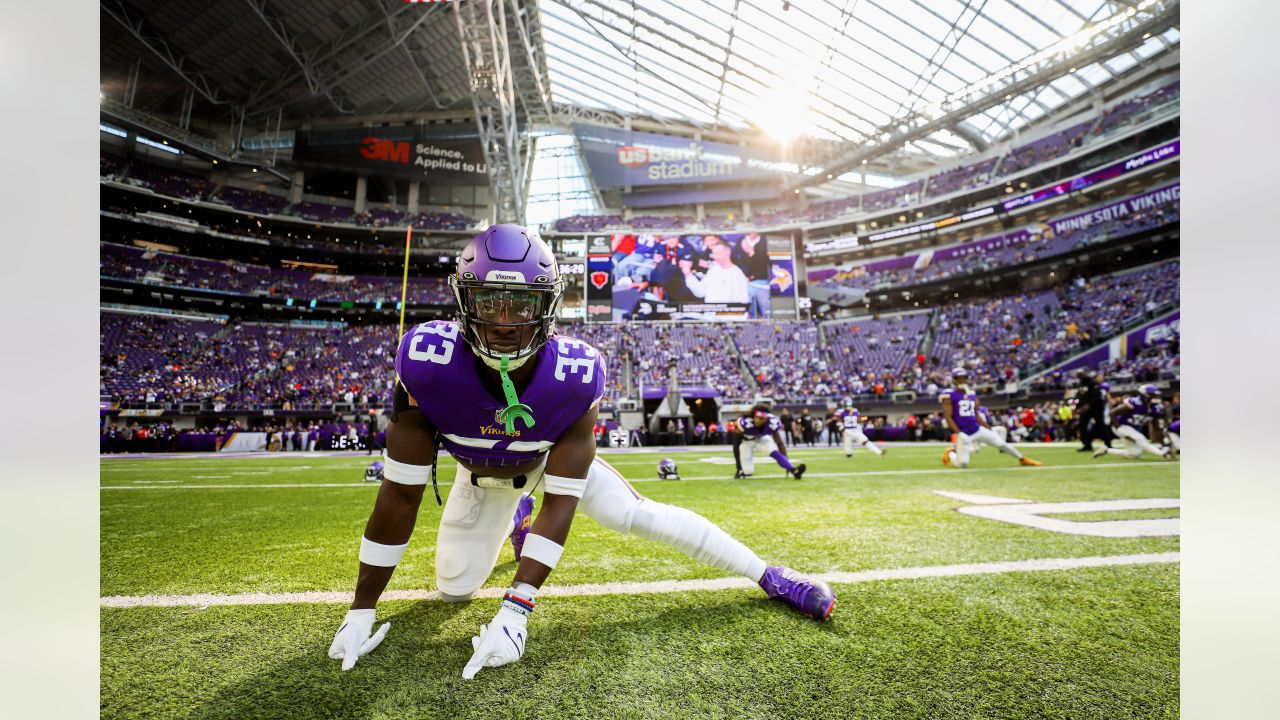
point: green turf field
(1096, 642)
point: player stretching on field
(960, 409)
(1135, 420)
(516, 407)
(761, 431)
(853, 434)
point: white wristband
(541, 549)
(557, 485)
(404, 473)
(379, 555)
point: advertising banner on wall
(1161, 331)
(617, 158)
(432, 153)
(599, 279)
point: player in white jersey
(853, 435)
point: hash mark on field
(649, 588)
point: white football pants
(747, 451)
(1138, 443)
(857, 437)
(966, 443)
(476, 523)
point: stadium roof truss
(856, 72)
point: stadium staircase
(744, 370)
(930, 335)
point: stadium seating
(251, 200)
(1012, 248)
(321, 212)
(129, 263)
(168, 181)
(380, 218)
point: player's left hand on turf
(356, 637)
(499, 643)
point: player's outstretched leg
(612, 502)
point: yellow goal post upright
(404, 283)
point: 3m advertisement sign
(439, 154)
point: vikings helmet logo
(781, 279)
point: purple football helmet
(667, 469)
(1148, 390)
(507, 278)
(374, 471)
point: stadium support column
(295, 188)
(362, 193)
(482, 30)
(415, 188)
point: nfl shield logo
(599, 278)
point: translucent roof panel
(834, 69)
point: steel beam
(1016, 80)
(116, 10)
(482, 30)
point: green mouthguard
(514, 409)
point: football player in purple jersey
(1175, 427)
(761, 431)
(1135, 419)
(960, 410)
(851, 421)
(515, 405)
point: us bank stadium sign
(619, 158)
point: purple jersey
(1176, 426)
(439, 370)
(964, 409)
(751, 432)
(850, 419)
(1138, 413)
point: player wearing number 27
(515, 405)
(960, 409)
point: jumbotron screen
(660, 276)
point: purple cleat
(811, 597)
(522, 520)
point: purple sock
(782, 459)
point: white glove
(499, 643)
(352, 639)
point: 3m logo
(385, 150)
(599, 278)
(633, 156)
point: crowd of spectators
(129, 263)
(1000, 340)
(1034, 242)
(253, 201)
(168, 181)
(701, 351)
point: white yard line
(662, 586)
(864, 473)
